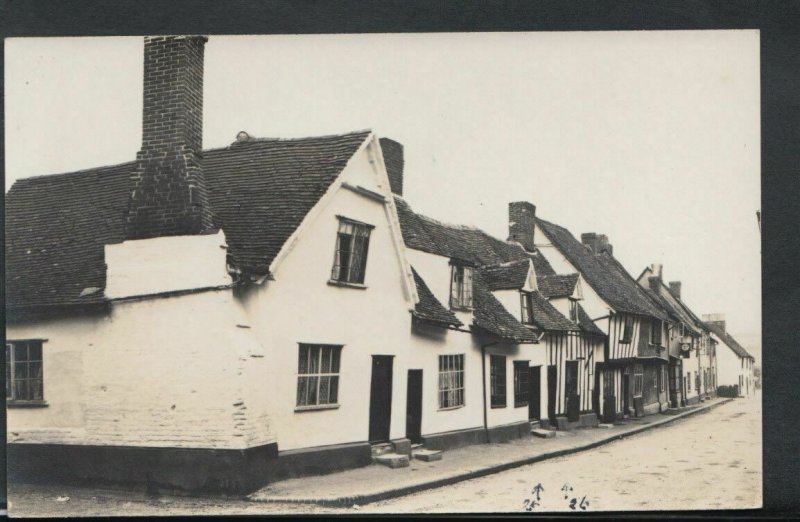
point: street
(708, 461)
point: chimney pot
(597, 243)
(522, 224)
(657, 270)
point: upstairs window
(627, 330)
(573, 310)
(638, 380)
(655, 332)
(461, 288)
(24, 371)
(497, 372)
(352, 244)
(526, 304)
(451, 381)
(318, 375)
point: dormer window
(526, 302)
(655, 332)
(461, 288)
(352, 245)
(573, 310)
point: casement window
(318, 375)
(24, 372)
(655, 332)
(526, 305)
(627, 331)
(638, 380)
(573, 311)
(521, 383)
(497, 377)
(461, 288)
(451, 381)
(352, 245)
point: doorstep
(375, 482)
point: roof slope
(260, 190)
(490, 315)
(557, 285)
(467, 244)
(602, 272)
(729, 340)
(506, 276)
(546, 317)
(586, 323)
(429, 308)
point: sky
(650, 137)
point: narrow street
(708, 461)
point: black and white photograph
(456, 272)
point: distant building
(735, 364)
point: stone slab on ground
(543, 434)
(375, 482)
(392, 460)
(427, 455)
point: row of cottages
(735, 364)
(215, 319)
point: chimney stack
(654, 283)
(715, 319)
(597, 243)
(658, 270)
(522, 223)
(675, 288)
(169, 195)
(394, 161)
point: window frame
(335, 355)
(462, 295)
(656, 336)
(638, 380)
(573, 310)
(453, 370)
(526, 307)
(352, 277)
(12, 364)
(498, 392)
(521, 390)
(627, 330)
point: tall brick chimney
(716, 319)
(522, 223)
(675, 288)
(597, 243)
(393, 159)
(169, 195)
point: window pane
(21, 370)
(20, 390)
(324, 388)
(303, 360)
(302, 393)
(334, 390)
(36, 389)
(337, 353)
(35, 351)
(313, 383)
(313, 362)
(35, 370)
(326, 360)
(20, 352)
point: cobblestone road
(709, 461)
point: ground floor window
(497, 373)
(638, 380)
(24, 371)
(521, 383)
(318, 375)
(451, 381)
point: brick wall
(521, 223)
(169, 192)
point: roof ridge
(253, 139)
(56, 176)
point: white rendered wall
(161, 372)
(165, 264)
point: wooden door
(380, 398)
(626, 400)
(552, 392)
(609, 397)
(414, 406)
(535, 392)
(571, 391)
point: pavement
(376, 482)
(706, 461)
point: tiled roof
(260, 190)
(586, 323)
(466, 244)
(602, 272)
(429, 308)
(675, 312)
(557, 285)
(729, 340)
(546, 317)
(490, 315)
(506, 276)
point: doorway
(534, 393)
(380, 398)
(571, 391)
(414, 406)
(626, 400)
(609, 398)
(552, 392)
